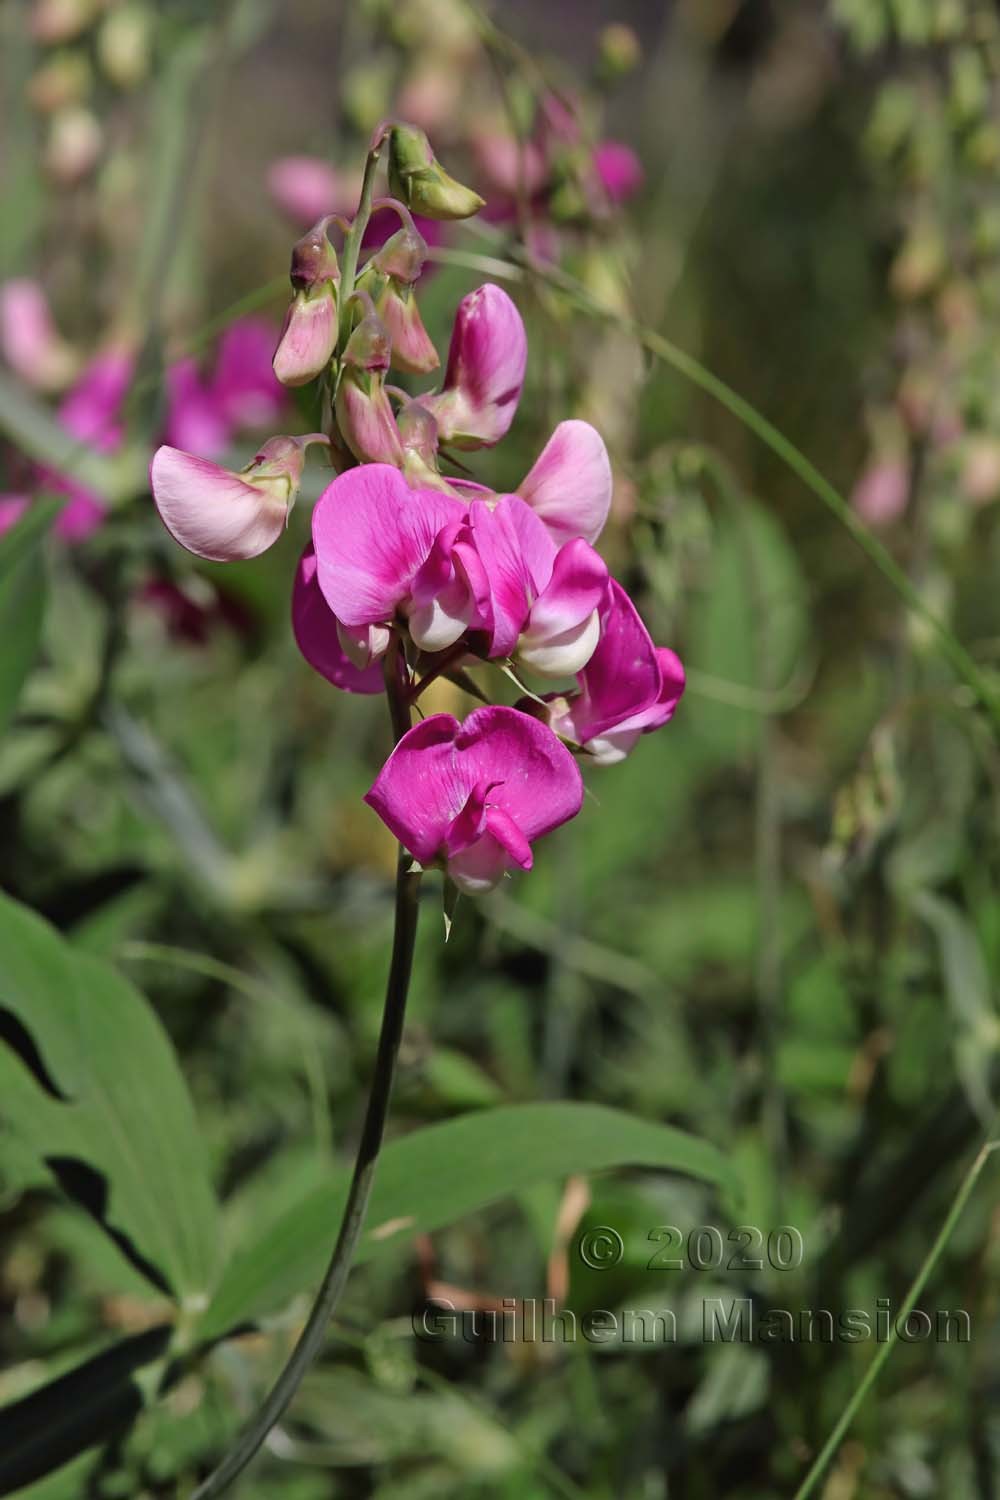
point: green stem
(313, 1334)
(356, 233)
(808, 1485)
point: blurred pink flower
(618, 170)
(881, 494)
(29, 339)
(307, 187)
(476, 795)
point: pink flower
(223, 516)
(474, 796)
(486, 364)
(628, 687)
(28, 337)
(383, 549)
(91, 413)
(510, 164)
(880, 495)
(12, 508)
(306, 187)
(243, 383)
(544, 598)
(570, 484)
(194, 419)
(316, 632)
(618, 170)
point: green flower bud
(418, 180)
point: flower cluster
(412, 573)
(204, 411)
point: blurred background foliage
(776, 927)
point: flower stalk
(311, 1339)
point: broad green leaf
(22, 603)
(90, 1087)
(437, 1175)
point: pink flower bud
(223, 516)
(486, 364)
(412, 350)
(365, 419)
(474, 796)
(309, 336)
(618, 170)
(31, 345)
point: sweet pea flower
(544, 599)
(305, 187)
(91, 413)
(881, 494)
(628, 688)
(243, 385)
(317, 633)
(223, 516)
(194, 419)
(570, 485)
(385, 550)
(474, 796)
(618, 170)
(486, 364)
(29, 340)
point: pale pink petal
(212, 512)
(315, 629)
(12, 508)
(510, 166)
(29, 339)
(881, 494)
(570, 484)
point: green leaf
(749, 627)
(437, 1175)
(86, 1406)
(22, 602)
(967, 987)
(90, 1087)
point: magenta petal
(569, 485)
(442, 775)
(577, 587)
(195, 422)
(618, 169)
(92, 409)
(12, 508)
(622, 678)
(372, 535)
(244, 386)
(486, 364)
(213, 513)
(315, 629)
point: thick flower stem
(312, 1336)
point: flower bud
(620, 49)
(412, 350)
(486, 364)
(223, 516)
(419, 436)
(314, 259)
(369, 346)
(418, 180)
(123, 44)
(403, 255)
(74, 144)
(365, 419)
(308, 337)
(60, 20)
(63, 80)
(29, 340)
